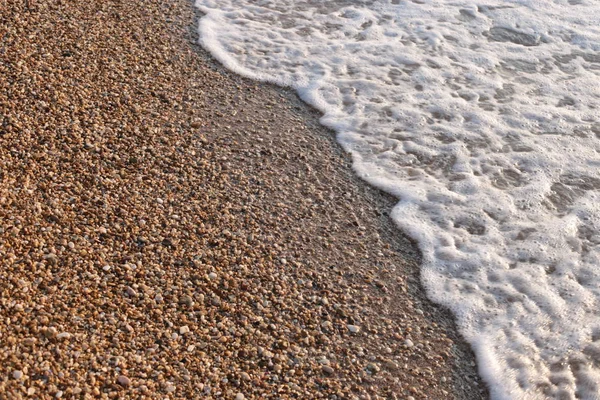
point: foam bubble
(483, 120)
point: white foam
(484, 121)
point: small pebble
(212, 276)
(187, 300)
(123, 381)
(353, 328)
(17, 374)
(327, 369)
(239, 396)
(184, 329)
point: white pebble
(183, 330)
(17, 374)
(212, 276)
(353, 328)
(239, 396)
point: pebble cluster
(168, 230)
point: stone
(17, 374)
(170, 388)
(123, 381)
(353, 328)
(63, 335)
(391, 365)
(327, 369)
(239, 396)
(186, 300)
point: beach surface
(171, 230)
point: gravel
(145, 191)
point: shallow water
(483, 119)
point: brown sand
(169, 230)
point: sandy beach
(171, 230)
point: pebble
(239, 396)
(408, 343)
(187, 300)
(17, 374)
(373, 368)
(184, 329)
(131, 291)
(63, 335)
(212, 276)
(170, 388)
(123, 381)
(51, 332)
(353, 328)
(327, 369)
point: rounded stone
(123, 381)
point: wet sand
(171, 230)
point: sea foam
(483, 119)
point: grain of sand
(170, 230)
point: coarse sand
(170, 230)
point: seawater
(483, 118)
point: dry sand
(169, 230)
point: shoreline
(216, 230)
